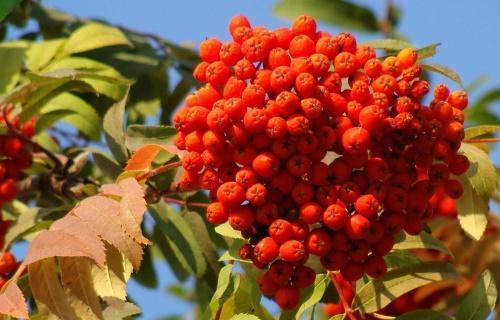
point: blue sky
(468, 31)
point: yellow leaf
(77, 279)
(48, 293)
(110, 281)
(118, 309)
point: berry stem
(483, 140)
(158, 170)
(57, 162)
(347, 308)
(185, 203)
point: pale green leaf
(480, 301)
(378, 293)
(222, 293)
(478, 187)
(93, 36)
(443, 70)
(480, 130)
(225, 230)
(42, 53)
(315, 295)
(389, 44)
(427, 51)
(244, 316)
(424, 240)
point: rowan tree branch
(347, 307)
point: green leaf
(336, 12)
(479, 302)
(400, 258)
(480, 111)
(78, 113)
(244, 316)
(93, 36)
(222, 293)
(337, 317)
(376, 294)
(6, 7)
(11, 59)
(427, 51)
(108, 166)
(389, 44)
(315, 295)
(180, 237)
(478, 187)
(424, 240)
(199, 228)
(99, 76)
(42, 53)
(139, 135)
(225, 230)
(161, 243)
(443, 70)
(146, 275)
(47, 119)
(233, 252)
(427, 314)
(114, 120)
(480, 130)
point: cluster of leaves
(84, 80)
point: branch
(347, 308)
(386, 24)
(158, 170)
(68, 187)
(185, 203)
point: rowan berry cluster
(14, 157)
(311, 145)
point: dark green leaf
(376, 294)
(480, 112)
(173, 99)
(6, 7)
(139, 135)
(394, 15)
(400, 258)
(445, 71)
(108, 167)
(478, 187)
(146, 275)
(114, 120)
(423, 314)
(480, 301)
(336, 12)
(180, 237)
(424, 240)
(160, 242)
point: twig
(347, 308)
(158, 170)
(185, 203)
(482, 140)
(386, 23)
(57, 162)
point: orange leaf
(102, 215)
(144, 156)
(132, 206)
(58, 244)
(12, 302)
